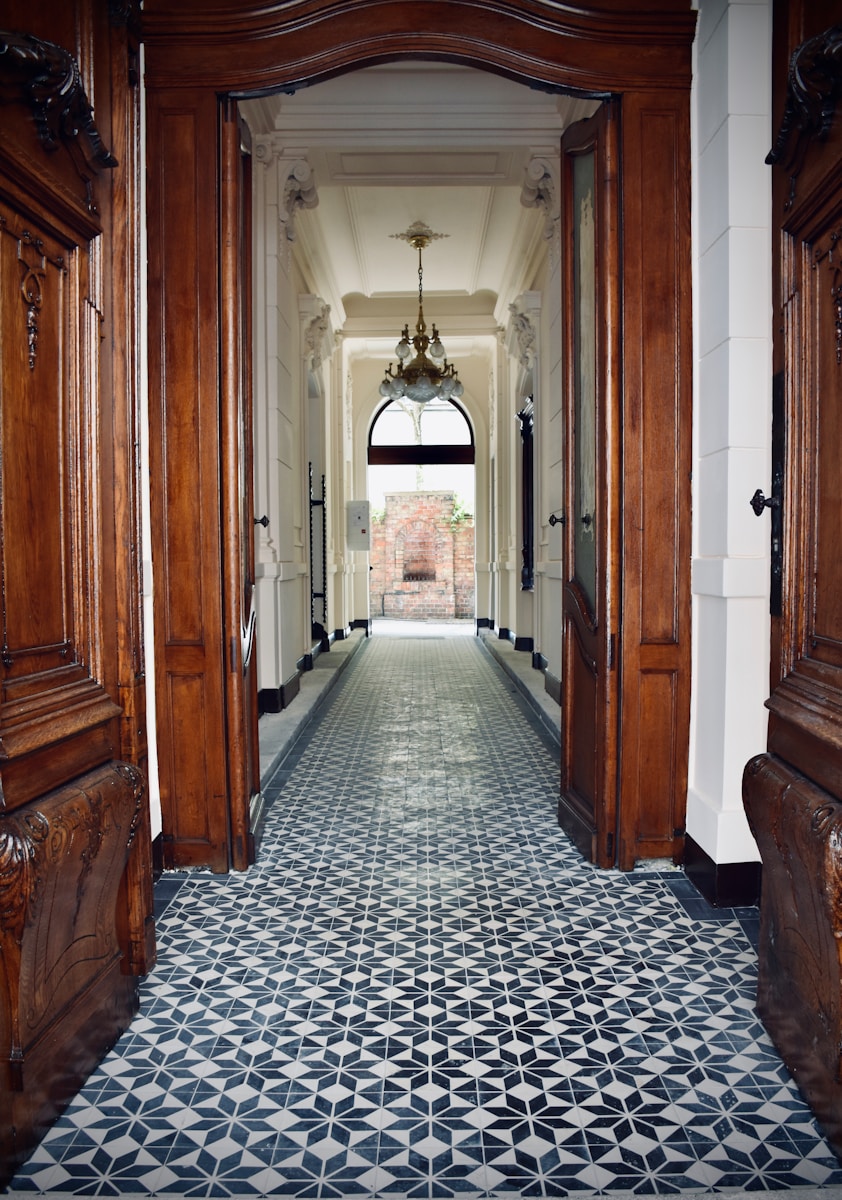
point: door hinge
(612, 650)
(679, 831)
(609, 846)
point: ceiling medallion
(421, 378)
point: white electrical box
(359, 536)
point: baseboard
(526, 644)
(485, 623)
(359, 623)
(539, 663)
(724, 885)
(552, 686)
(340, 635)
(505, 635)
(157, 857)
(269, 701)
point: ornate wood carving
(52, 698)
(47, 78)
(31, 286)
(798, 828)
(814, 85)
(830, 254)
(63, 997)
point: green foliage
(377, 515)
(460, 512)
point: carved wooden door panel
(794, 793)
(588, 803)
(74, 923)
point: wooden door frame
(197, 53)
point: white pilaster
(732, 427)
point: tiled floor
(422, 990)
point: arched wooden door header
(589, 50)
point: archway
(421, 485)
(202, 52)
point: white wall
(732, 425)
(280, 441)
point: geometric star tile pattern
(422, 990)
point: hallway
(422, 990)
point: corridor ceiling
(417, 141)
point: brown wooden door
(201, 466)
(794, 793)
(588, 802)
(238, 482)
(75, 871)
(192, 659)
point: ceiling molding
(483, 210)
(313, 259)
(445, 144)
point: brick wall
(422, 561)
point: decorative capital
(541, 191)
(47, 78)
(317, 340)
(813, 89)
(523, 330)
(298, 190)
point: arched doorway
(421, 487)
(195, 356)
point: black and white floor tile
(422, 990)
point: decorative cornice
(813, 89)
(47, 78)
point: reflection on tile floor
(422, 990)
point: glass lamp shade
(421, 379)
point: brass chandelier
(421, 378)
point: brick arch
(421, 553)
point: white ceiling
(405, 142)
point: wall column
(732, 430)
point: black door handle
(758, 502)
